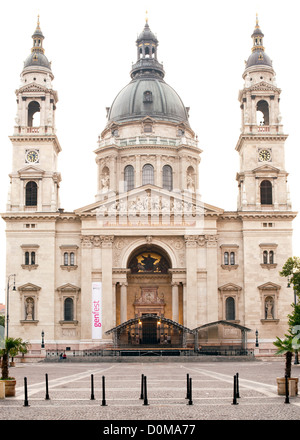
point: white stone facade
(220, 265)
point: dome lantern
(37, 58)
(258, 56)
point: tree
(285, 347)
(290, 343)
(12, 347)
(291, 270)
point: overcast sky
(202, 44)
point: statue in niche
(269, 307)
(190, 182)
(105, 181)
(29, 306)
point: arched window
(66, 259)
(129, 177)
(262, 113)
(265, 257)
(232, 258)
(26, 258)
(266, 192)
(33, 114)
(230, 309)
(148, 174)
(31, 194)
(271, 257)
(68, 309)
(167, 177)
(226, 258)
(72, 259)
(32, 258)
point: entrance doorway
(149, 332)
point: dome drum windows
(148, 174)
(147, 123)
(128, 178)
(167, 177)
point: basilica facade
(147, 262)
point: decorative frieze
(96, 241)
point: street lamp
(7, 300)
(43, 344)
(296, 362)
(256, 339)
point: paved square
(69, 385)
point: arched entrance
(148, 289)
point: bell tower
(34, 181)
(262, 179)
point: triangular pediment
(68, 287)
(152, 200)
(266, 169)
(29, 287)
(31, 88)
(269, 286)
(230, 287)
(264, 86)
(31, 169)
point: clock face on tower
(32, 156)
(264, 155)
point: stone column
(107, 281)
(86, 288)
(191, 281)
(175, 303)
(275, 193)
(123, 302)
(114, 302)
(137, 172)
(212, 278)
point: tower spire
(257, 37)
(38, 38)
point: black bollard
(142, 387)
(287, 400)
(47, 391)
(187, 386)
(145, 392)
(234, 402)
(92, 387)
(190, 392)
(237, 386)
(103, 392)
(25, 392)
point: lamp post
(296, 361)
(7, 299)
(43, 343)
(256, 339)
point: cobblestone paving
(212, 392)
